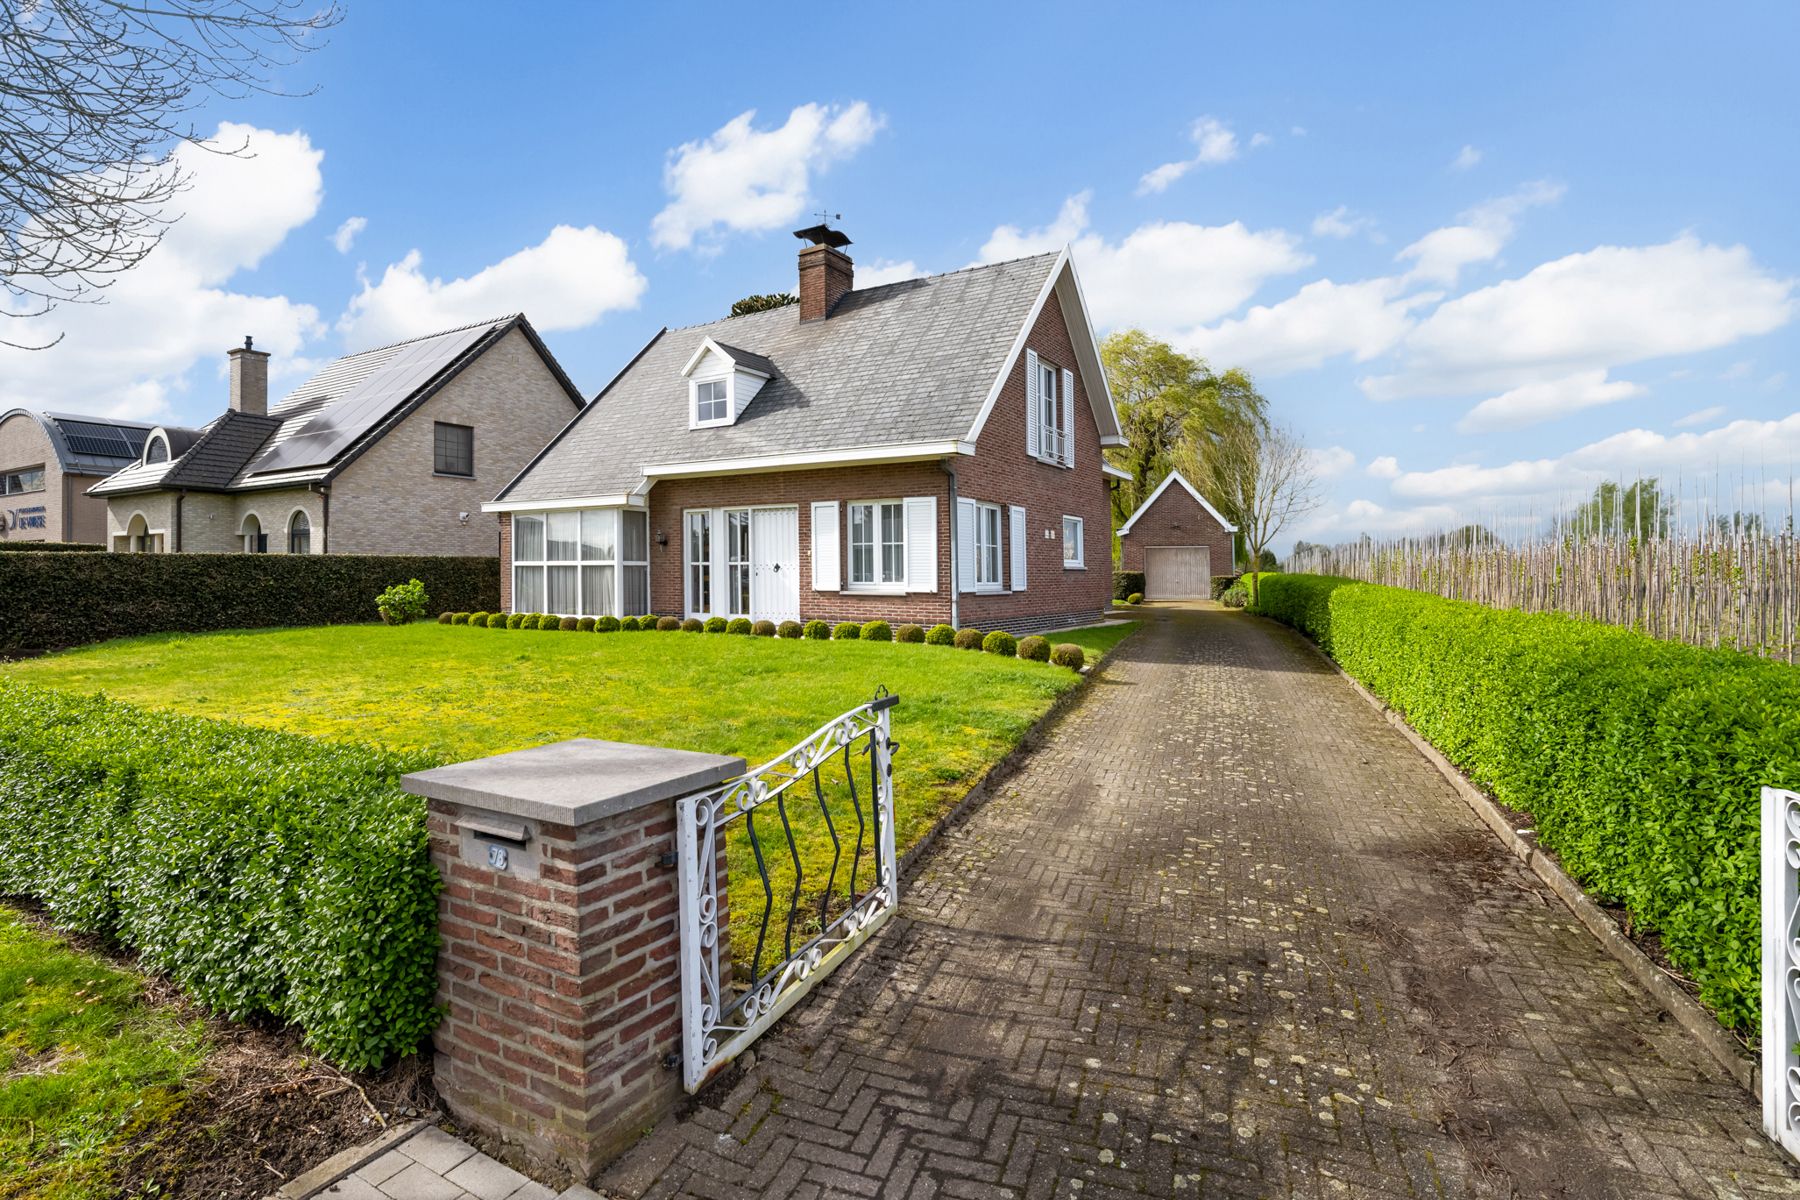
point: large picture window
(878, 544)
(31, 479)
(987, 545)
(591, 562)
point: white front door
(775, 564)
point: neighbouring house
(390, 451)
(1176, 539)
(925, 451)
(47, 463)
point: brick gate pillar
(559, 972)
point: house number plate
(497, 857)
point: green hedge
(58, 600)
(52, 547)
(264, 872)
(1640, 761)
(1127, 582)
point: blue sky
(1478, 258)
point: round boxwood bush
(816, 629)
(479, 618)
(1068, 654)
(940, 635)
(606, 624)
(1000, 642)
(763, 629)
(1135, 598)
(573, 624)
(446, 618)
(716, 624)
(1035, 648)
(788, 629)
(967, 638)
(668, 624)
(494, 621)
(739, 625)
(552, 621)
(910, 633)
(877, 631)
(1236, 596)
(514, 620)
(846, 631)
(693, 625)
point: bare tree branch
(1265, 479)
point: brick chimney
(826, 272)
(250, 380)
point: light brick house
(388, 451)
(1178, 540)
(48, 461)
(925, 451)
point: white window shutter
(965, 545)
(1016, 544)
(1068, 417)
(1031, 405)
(825, 546)
(921, 543)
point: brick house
(388, 451)
(48, 461)
(925, 451)
(1178, 541)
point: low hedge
(1640, 761)
(1127, 582)
(265, 872)
(58, 600)
(51, 547)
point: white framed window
(878, 544)
(987, 545)
(1049, 412)
(737, 562)
(712, 402)
(1074, 557)
(698, 542)
(586, 562)
(31, 479)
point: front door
(775, 564)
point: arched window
(137, 534)
(255, 540)
(156, 449)
(299, 534)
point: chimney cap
(822, 235)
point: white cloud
(1340, 522)
(1331, 462)
(1214, 143)
(1259, 139)
(749, 180)
(1340, 222)
(1385, 467)
(1701, 417)
(130, 356)
(346, 233)
(1320, 321)
(885, 271)
(1535, 403)
(1170, 277)
(1483, 231)
(1465, 158)
(570, 279)
(1605, 307)
(1737, 370)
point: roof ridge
(499, 320)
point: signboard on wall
(31, 519)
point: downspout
(179, 497)
(324, 491)
(949, 469)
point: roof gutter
(850, 456)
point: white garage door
(1178, 573)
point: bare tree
(94, 98)
(1265, 480)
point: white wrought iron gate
(1781, 967)
(824, 864)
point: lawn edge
(333, 1170)
(1700, 1024)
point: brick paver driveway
(1226, 935)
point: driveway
(1226, 934)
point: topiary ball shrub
(479, 618)
(552, 621)
(877, 631)
(668, 624)
(914, 634)
(788, 629)
(1068, 654)
(514, 620)
(1236, 596)
(716, 624)
(816, 629)
(967, 638)
(1135, 598)
(584, 624)
(1000, 642)
(763, 629)
(940, 635)
(445, 618)
(1035, 648)
(739, 625)
(495, 621)
(693, 625)
(606, 625)
(846, 631)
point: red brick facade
(1175, 519)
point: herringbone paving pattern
(1227, 935)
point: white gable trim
(1107, 468)
(1063, 281)
(850, 456)
(1175, 477)
(708, 346)
(624, 501)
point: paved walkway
(1227, 935)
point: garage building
(1179, 541)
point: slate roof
(745, 358)
(901, 363)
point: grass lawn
(86, 1064)
(460, 693)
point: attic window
(156, 450)
(712, 401)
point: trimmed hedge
(50, 547)
(667, 624)
(940, 635)
(877, 631)
(788, 629)
(690, 625)
(606, 624)
(717, 624)
(495, 621)
(1000, 642)
(1034, 648)
(1127, 582)
(764, 629)
(58, 600)
(816, 630)
(1640, 761)
(967, 638)
(1068, 654)
(910, 633)
(264, 872)
(1135, 598)
(846, 631)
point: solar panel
(92, 439)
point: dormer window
(722, 380)
(156, 450)
(712, 402)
